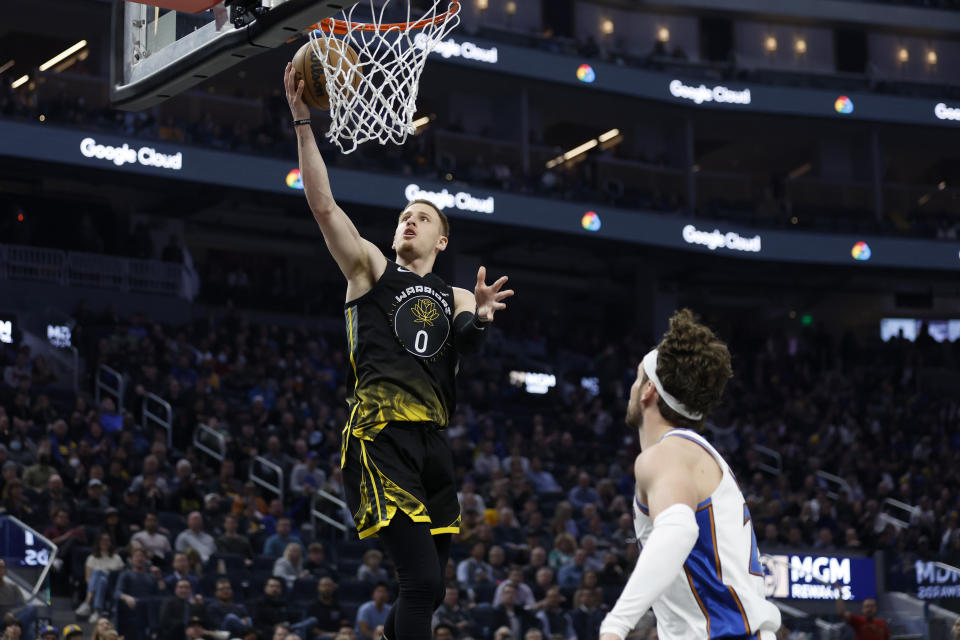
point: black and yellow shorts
(406, 466)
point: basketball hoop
(390, 59)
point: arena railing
(902, 507)
(835, 484)
(94, 270)
(774, 462)
(275, 484)
(321, 498)
(162, 419)
(116, 389)
(211, 442)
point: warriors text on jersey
(720, 592)
(402, 358)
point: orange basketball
(309, 67)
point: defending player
(406, 329)
(698, 567)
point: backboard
(158, 53)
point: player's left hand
(490, 297)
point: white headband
(650, 368)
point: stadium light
(663, 34)
(609, 135)
(511, 8)
(482, 5)
(63, 55)
(903, 55)
(800, 46)
(606, 27)
(7, 65)
(770, 44)
(19, 81)
(931, 57)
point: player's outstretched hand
(294, 90)
(489, 297)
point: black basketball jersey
(402, 358)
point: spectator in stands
(955, 630)
(305, 469)
(583, 493)
(90, 510)
(99, 564)
(289, 567)
(611, 573)
(513, 616)
(474, 568)
(564, 546)
(100, 629)
(49, 633)
(370, 569)
(55, 496)
(866, 626)
(536, 561)
(497, 559)
(523, 594)
(232, 541)
(134, 588)
(587, 614)
(13, 603)
(13, 629)
(186, 495)
(563, 521)
(450, 612)
(63, 534)
(316, 563)
(132, 514)
(155, 543)
(373, 613)
(443, 631)
(194, 537)
(112, 525)
(36, 476)
(178, 608)
(271, 609)
(553, 619)
(569, 576)
(151, 468)
(543, 480)
(593, 557)
(277, 543)
(542, 582)
(181, 571)
(325, 610)
(224, 613)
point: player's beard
(634, 419)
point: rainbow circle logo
(861, 251)
(585, 73)
(843, 105)
(590, 221)
(294, 180)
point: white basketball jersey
(719, 594)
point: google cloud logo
(294, 181)
(590, 221)
(861, 251)
(843, 105)
(585, 73)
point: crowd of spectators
(168, 542)
(439, 154)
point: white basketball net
(391, 57)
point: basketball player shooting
(406, 329)
(699, 567)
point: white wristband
(674, 533)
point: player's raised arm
(474, 311)
(671, 494)
(359, 260)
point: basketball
(309, 67)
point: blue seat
(355, 590)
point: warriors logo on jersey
(421, 320)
